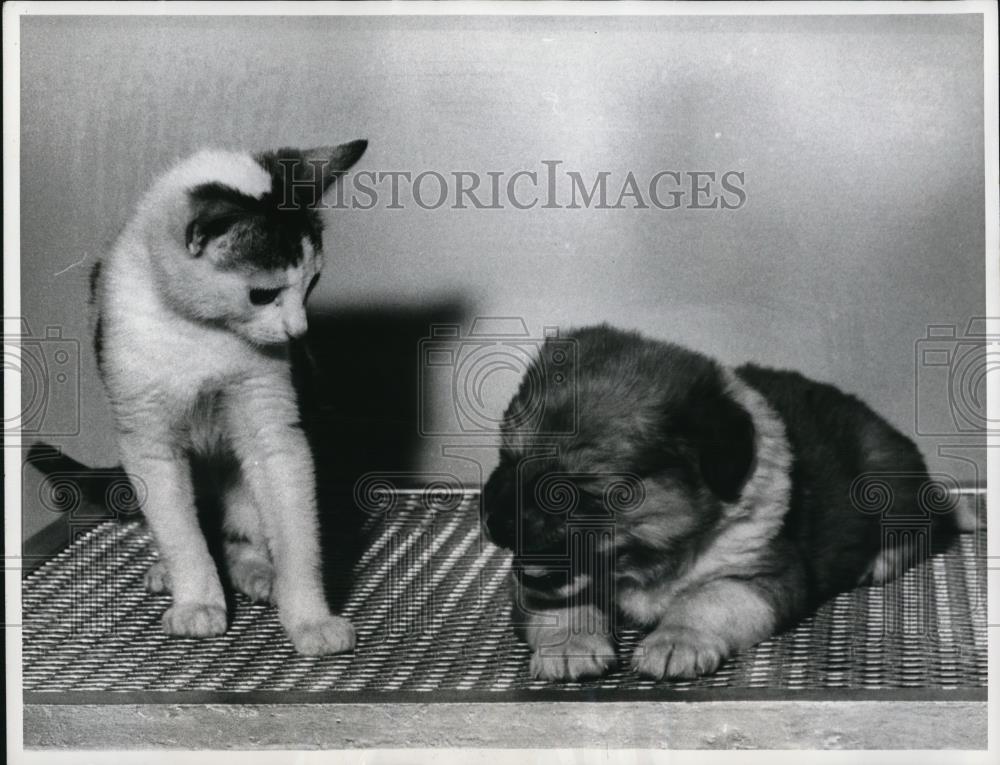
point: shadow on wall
(363, 416)
(360, 409)
(363, 398)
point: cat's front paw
(332, 634)
(678, 652)
(254, 578)
(194, 620)
(581, 655)
(156, 579)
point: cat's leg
(569, 640)
(710, 622)
(279, 472)
(248, 561)
(185, 565)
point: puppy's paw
(678, 652)
(582, 655)
(156, 579)
(332, 634)
(194, 620)
(254, 578)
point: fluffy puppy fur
(712, 506)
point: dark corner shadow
(361, 411)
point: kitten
(197, 305)
(712, 506)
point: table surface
(428, 598)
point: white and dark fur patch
(739, 543)
(196, 307)
(262, 226)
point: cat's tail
(71, 487)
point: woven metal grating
(430, 604)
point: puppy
(712, 506)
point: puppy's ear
(722, 434)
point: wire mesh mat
(430, 604)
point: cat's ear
(302, 177)
(328, 163)
(214, 208)
(336, 160)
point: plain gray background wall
(861, 141)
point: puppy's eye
(261, 296)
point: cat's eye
(263, 296)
